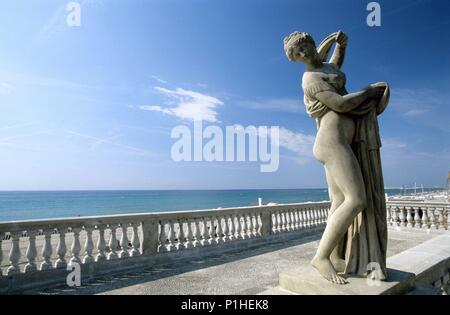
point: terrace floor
(249, 272)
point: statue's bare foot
(338, 264)
(325, 268)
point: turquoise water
(23, 205)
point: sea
(28, 205)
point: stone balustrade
(37, 251)
(51, 247)
(419, 215)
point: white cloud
(415, 112)
(159, 79)
(299, 143)
(414, 102)
(156, 108)
(291, 105)
(189, 105)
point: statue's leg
(343, 167)
(336, 199)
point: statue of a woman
(348, 145)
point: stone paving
(250, 272)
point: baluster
(124, 241)
(76, 247)
(409, 217)
(14, 254)
(441, 219)
(274, 222)
(180, 236)
(306, 212)
(197, 234)
(47, 250)
(395, 217)
(88, 245)
(292, 219)
(402, 217)
(388, 215)
(301, 223)
(257, 226)
(212, 232)
(424, 218)
(315, 216)
(219, 231)
(250, 226)
(298, 223)
(189, 235)
(232, 236)
(417, 223)
(171, 236)
(280, 221)
(112, 242)
(286, 220)
(204, 240)
(238, 227)
(225, 231)
(162, 237)
(244, 227)
(31, 252)
(324, 215)
(135, 242)
(61, 250)
(432, 219)
(101, 244)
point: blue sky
(92, 107)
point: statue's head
(300, 46)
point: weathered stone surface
(306, 281)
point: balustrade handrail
(11, 226)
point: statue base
(307, 281)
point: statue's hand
(376, 90)
(342, 39)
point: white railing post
(31, 252)
(47, 250)
(14, 254)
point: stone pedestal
(307, 281)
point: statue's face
(305, 53)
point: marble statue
(348, 145)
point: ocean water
(24, 205)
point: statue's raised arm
(338, 57)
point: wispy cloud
(291, 105)
(299, 143)
(415, 102)
(189, 105)
(426, 106)
(415, 112)
(158, 79)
